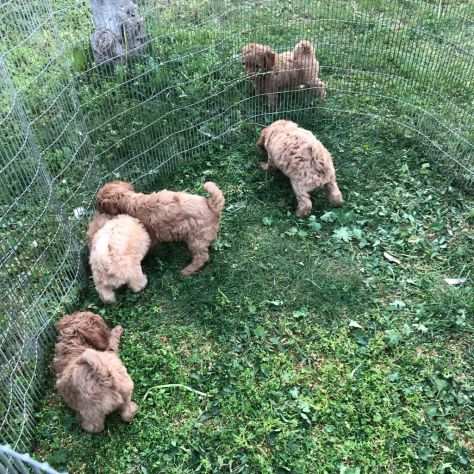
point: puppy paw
(187, 271)
(303, 212)
(107, 296)
(117, 331)
(93, 426)
(128, 413)
(139, 285)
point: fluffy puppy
(299, 155)
(89, 374)
(117, 247)
(272, 72)
(170, 216)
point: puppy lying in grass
(272, 72)
(169, 216)
(89, 374)
(117, 247)
(299, 155)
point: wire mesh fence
(69, 124)
(13, 463)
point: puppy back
(92, 361)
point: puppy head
(257, 58)
(275, 127)
(109, 197)
(90, 328)
(304, 48)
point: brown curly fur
(169, 216)
(117, 247)
(89, 374)
(299, 155)
(272, 72)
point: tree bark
(119, 30)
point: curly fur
(117, 247)
(272, 72)
(89, 374)
(299, 155)
(170, 216)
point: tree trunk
(119, 30)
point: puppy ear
(64, 322)
(107, 205)
(261, 140)
(96, 336)
(269, 60)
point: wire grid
(68, 125)
(13, 463)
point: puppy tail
(304, 48)
(216, 200)
(96, 365)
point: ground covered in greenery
(331, 344)
(315, 352)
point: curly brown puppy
(117, 247)
(299, 155)
(89, 374)
(170, 216)
(272, 72)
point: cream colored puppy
(117, 247)
(170, 216)
(273, 72)
(298, 154)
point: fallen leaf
(354, 324)
(79, 212)
(391, 258)
(455, 281)
(397, 304)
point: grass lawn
(331, 344)
(316, 354)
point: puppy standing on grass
(89, 374)
(299, 155)
(117, 247)
(272, 72)
(170, 216)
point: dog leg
(259, 85)
(128, 410)
(304, 200)
(106, 294)
(138, 281)
(200, 253)
(333, 194)
(114, 339)
(318, 87)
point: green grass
(308, 343)
(314, 352)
